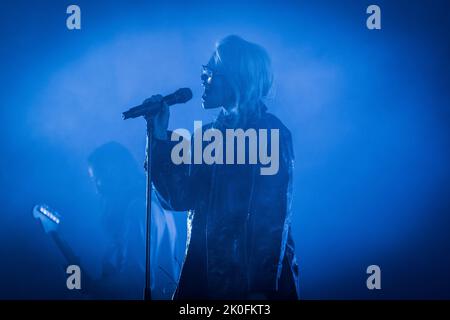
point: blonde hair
(247, 67)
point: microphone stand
(148, 111)
(148, 290)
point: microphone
(151, 108)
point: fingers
(161, 123)
(165, 110)
(154, 98)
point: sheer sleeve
(173, 183)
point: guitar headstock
(49, 218)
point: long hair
(121, 182)
(247, 67)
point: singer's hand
(160, 120)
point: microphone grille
(183, 95)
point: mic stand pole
(148, 290)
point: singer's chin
(206, 102)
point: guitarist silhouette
(121, 188)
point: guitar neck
(65, 249)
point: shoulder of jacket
(273, 122)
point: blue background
(368, 111)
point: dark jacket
(239, 236)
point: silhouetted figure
(121, 184)
(240, 244)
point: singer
(239, 243)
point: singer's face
(218, 91)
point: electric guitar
(50, 221)
(98, 289)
